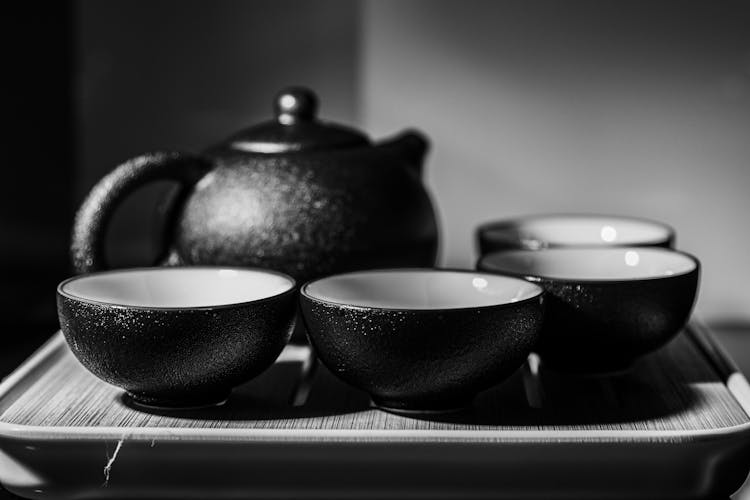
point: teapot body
(294, 194)
(307, 215)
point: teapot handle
(92, 218)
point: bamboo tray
(676, 426)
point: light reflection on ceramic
(633, 258)
(608, 234)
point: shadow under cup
(177, 337)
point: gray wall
(638, 108)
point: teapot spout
(409, 145)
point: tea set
(296, 220)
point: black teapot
(293, 194)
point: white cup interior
(583, 230)
(584, 264)
(178, 287)
(420, 289)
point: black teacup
(422, 340)
(177, 337)
(605, 306)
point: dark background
(37, 195)
(89, 84)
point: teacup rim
(536, 278)
(510, 222)
(539, 292)
(60, 292)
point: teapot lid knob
(296, 129)
(295, 104)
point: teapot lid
(296, 128)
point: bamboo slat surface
(673, 389)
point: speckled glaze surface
(509, 234)
(293, 194)
(422, 360)
(308, 216)
(604, 326)
(177, 356)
